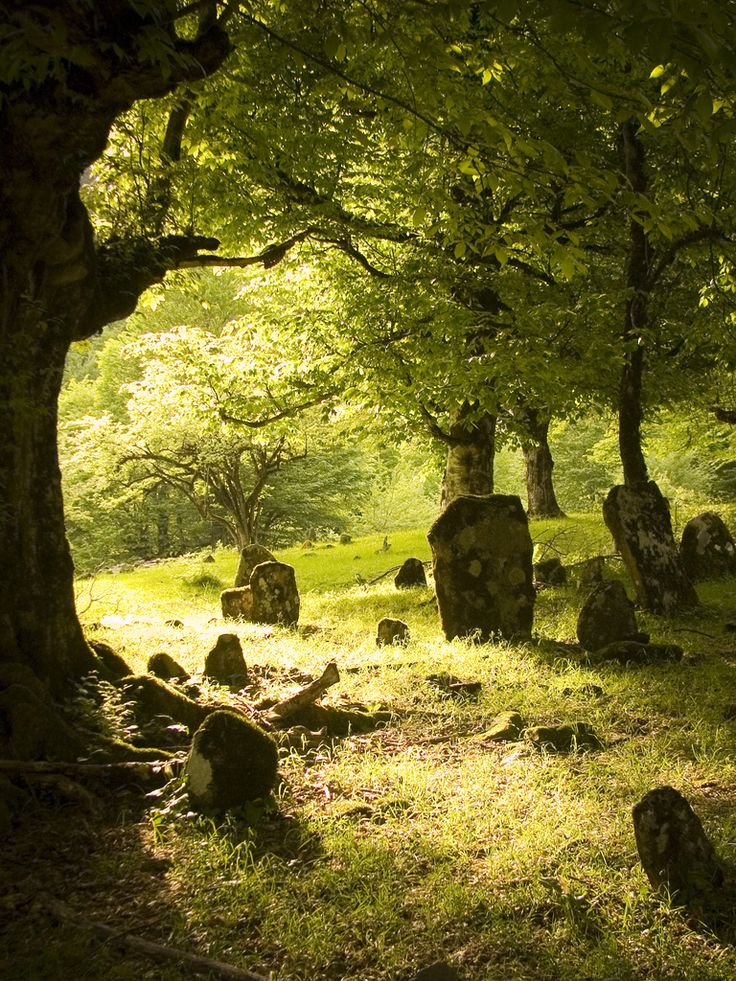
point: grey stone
(250, 557)
(411, 574)
(708, 550)
(676, 855)
(391, 631)
(439, 971)
(345, 539)
(232, 761)
(225, 662)
(639, 520)
(275, 596)
(607, 616)
(482, 557)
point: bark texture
(59, 286)
(540, 490)
(470, 456)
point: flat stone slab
(563, 738)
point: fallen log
(116, 773)
(290, 706)
(147, 948)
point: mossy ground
(386, 851)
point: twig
(157, 952)
(692, 630)
(394, 568)
(290, 706)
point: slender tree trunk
(470, 457)
(541, 497)
(635, 320)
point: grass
(419, 842)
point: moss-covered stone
(164, 666)
(250, 557)
(237, 603)
(563, 738)
(632, 652)
(275, 594)
(607, 616)
(707, 548)
(152, 696)
(112, 665)
(506, 727)
(390, 631)
(231, 762)
(225, 662)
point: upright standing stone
(639, 520)
(225, 662)
(482, 554)
(250, 557)
(411, 574)
(275, 596)
(676, 855)
(607, 616)
(708, 550)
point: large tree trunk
(636, 514)
(470, 456)
(58, 286)
(38, 622)
(541, 497)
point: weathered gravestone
(482, 554)
(675, 853)
(275, 596)
(250, 557)
(237, 603)
(225, 662)
(164, 666)
(411, 574)
(639, 520)
(607, 616)
(392, 632)
(232, 761)
(708, 550)
(550, 572)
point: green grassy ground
(420, 842)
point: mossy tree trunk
(471, 453)
(58, 286)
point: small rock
(174, 623)
(591, 571)
(392, 632)
(345, 539)
(707, 548)
(208, 558)
(563, 738)
(225, 662)
(237, 603)
(113, 665)
(411, 574)
(455, 688)
(595, 691)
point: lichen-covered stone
(237, 603)
(391, 631)
(232, 761)
(639, 520)
(676, 855)
(607, 616)
(563, 738)
(250, 557)
(225, 662)
(707, 548)
(482, 558)
(411, 574)
(550, 572)
(275, 596)
(164, 666)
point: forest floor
(418, 842)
